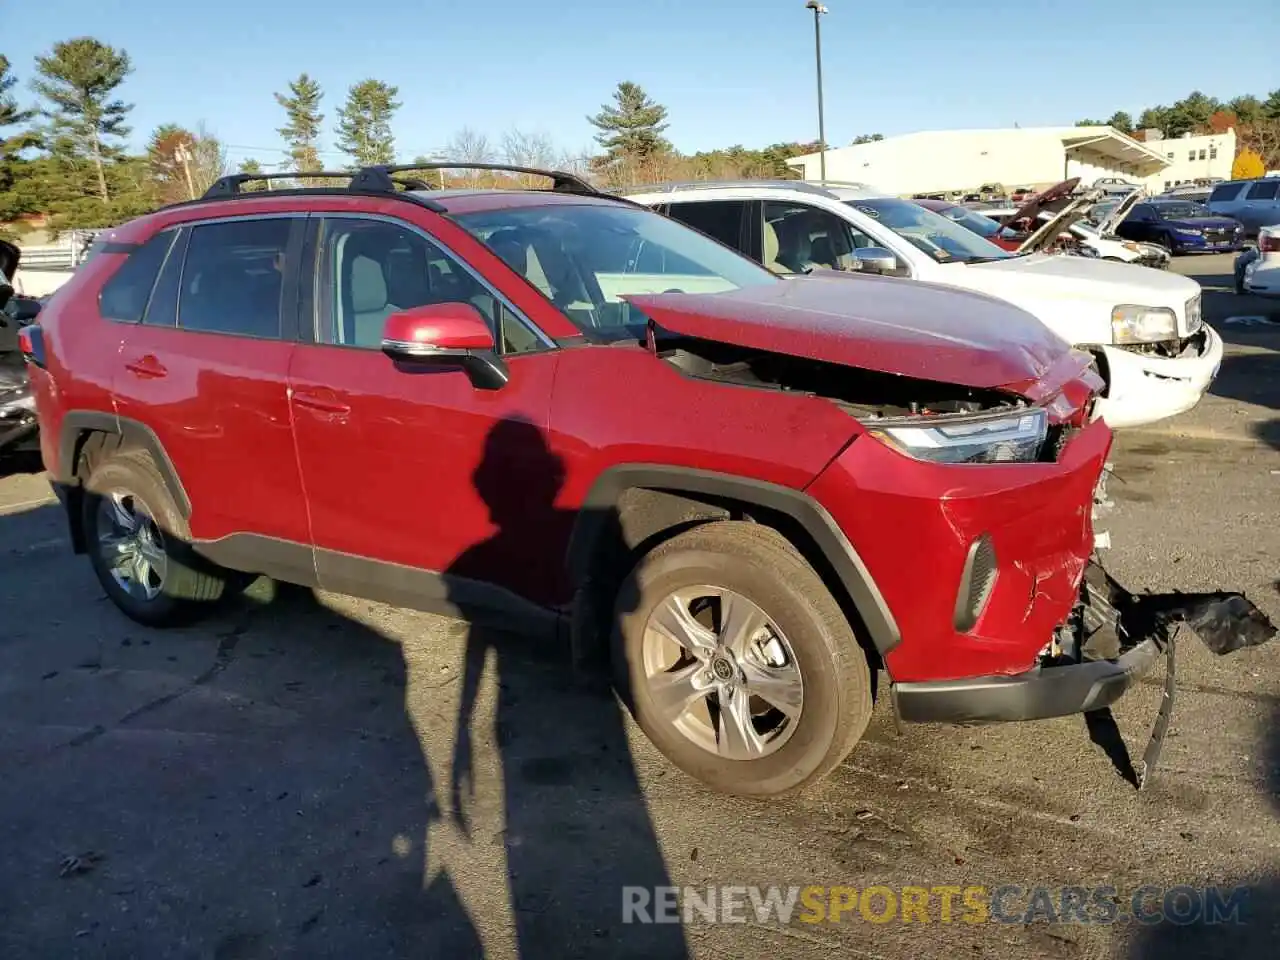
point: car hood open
(1108, 223)
(924, 331)
(1061, 207)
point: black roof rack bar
(365, 181)
(561, 182)
(229, 186)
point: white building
(1193, 158)
(936, 161)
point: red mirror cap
(25, 344)
(444, 326)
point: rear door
(204, 364)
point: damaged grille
(1191, 346)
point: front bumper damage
(1111, 639)
(1145, 386)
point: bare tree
(522, 148)
(470, 146)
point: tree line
(1256, 121)
(64, 137)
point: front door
(408, 474)
(204, 363)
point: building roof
(1119, 149)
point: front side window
(233, 277)
(586, 259)
(371, 269)
(943, 240)
(124, 297)
(800, 238)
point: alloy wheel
(722, 673)
(131, 546)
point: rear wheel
(138, 544)
(738, 663)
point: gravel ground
(287, 779)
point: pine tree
(302, 131)
(364, 124)
(79, 78)
(632, 128)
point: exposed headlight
(1086, 251)
(1006, 438)
(1195, 316)
(1134, 324)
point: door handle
(321, 403)
(147, 367)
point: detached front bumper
(1059, 686)
(1144, 388)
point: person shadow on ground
(577, 828)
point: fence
(67, 254)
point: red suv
(557, 408)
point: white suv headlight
(1131, 323)
(1005, 438)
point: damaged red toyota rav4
(558, 410)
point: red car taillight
(1268, 244)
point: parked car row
(685, 430)
(1143, 327)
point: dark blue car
(1183, 226)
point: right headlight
(1004, 438)
(1131, 323)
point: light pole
(818, 10)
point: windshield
(983, 226)
(943, 239)
(1180, 211)
(587, 258)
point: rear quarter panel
(81, 351)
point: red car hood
(893, 326)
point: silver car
(1255, 203)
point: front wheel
(738, 663)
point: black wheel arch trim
(848, 566)
(132, 433)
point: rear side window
(1226, 191)
(233, 277)
(1264, 189)
(721, 219)
(124, 297)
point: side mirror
(446, 335)
(875, 260)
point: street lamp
(818, 10)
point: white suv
(1144, 326)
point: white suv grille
(1194, 318)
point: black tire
(190, 585)
(761, 565)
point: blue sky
(729, 72)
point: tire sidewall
(825, 698)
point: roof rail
(561, 182)
(365, 181)
(678, 186)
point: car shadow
(566, 774)
(270, 781)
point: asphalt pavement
(288, 779)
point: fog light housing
(977, 580)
